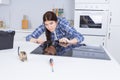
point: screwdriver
(51, 64)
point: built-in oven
(91, 22)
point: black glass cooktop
(68, 50)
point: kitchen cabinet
(115, 12)
(4, 1)
(113, 39)
(88, 10)
(95, 40)
(113, 42)
(21, 34)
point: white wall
(4, 14)
(12, 14)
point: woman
(55, 29)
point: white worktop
(65, 68)
(18, 30)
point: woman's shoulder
(62, 20)
(40, 28)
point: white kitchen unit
(113, 42)
(4, 1)
(115, 12)
(21, 34)
(95, 40)
(91, 19)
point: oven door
(91, 22)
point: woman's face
(50, 25)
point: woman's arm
(35, 34)
(38, 41)
(71, 34)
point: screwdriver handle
(51, 61)
(51, 64)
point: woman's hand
(64, 40)
(67, 41)
(64, 44)
(38, 41)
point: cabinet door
(4, 1)
(21, 36)
(95, 40)
(115, 12)
(113, 42)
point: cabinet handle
(109, 35)
(103, 43)
(110, 13)
(110, 17)
(110, 20)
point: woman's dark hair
(48, 35)
(49, 16)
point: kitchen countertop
(65, 68)
(18, 30)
